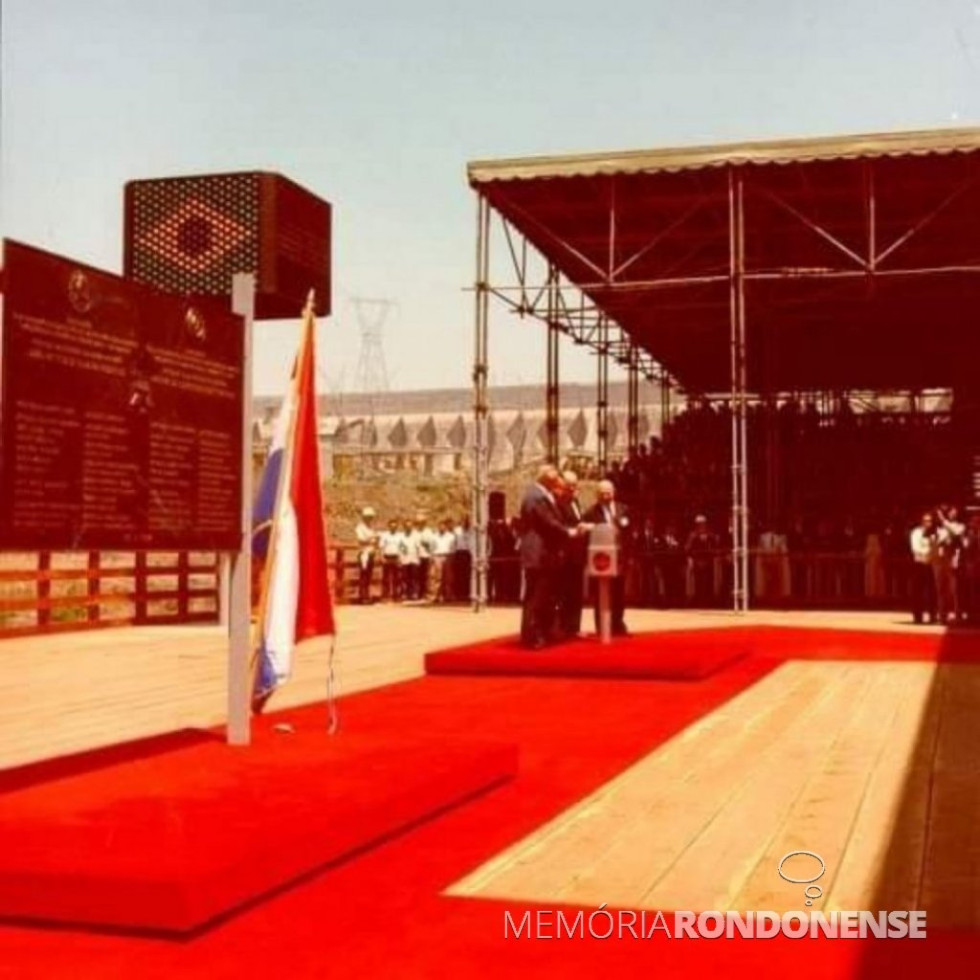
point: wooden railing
(45, 592)
(345, 571)
(50, 592)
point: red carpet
(673, 656)
(381, 914)
(691, 655)
(171, 841)
(800, 643)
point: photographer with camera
(949, 574)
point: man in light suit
(607, 510)
(544, 537)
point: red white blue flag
(288, 531)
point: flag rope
(333, 716)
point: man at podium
(607, 510)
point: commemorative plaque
(121, 420)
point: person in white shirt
(390, 546)
(367, 543)
(443, 546)
(411, 561)
(924, 543)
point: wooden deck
(871, 765)
(69, 692)
(830, 758)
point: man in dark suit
(544, 537)
(607, 510)
(572, 575)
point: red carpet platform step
(811, 643)
(675, 656)
(170, 841)
(691, 655)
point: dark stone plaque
(121, 412)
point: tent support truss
(632, 403)
(740, 513)
(602, 396)
(481, 409)
(610, 260)
(552, 384)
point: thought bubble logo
(812, 891)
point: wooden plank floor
(69, 692)
(870, 765)
(64, 693)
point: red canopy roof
(861, 254)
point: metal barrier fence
(662, 579)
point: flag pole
(285, 472)
(239, 730)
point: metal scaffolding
(566, 310)
(663, 380)
(740, 510)
(481, 408)
(602, 395)
(618, 281)
(632, 403)
(552, 405)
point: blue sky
(378, 107)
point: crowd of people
(420, 560)
(946, 567)
(934, 569)
(833, 495)
(665, 568)
(804, 464)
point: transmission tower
(372, 375)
